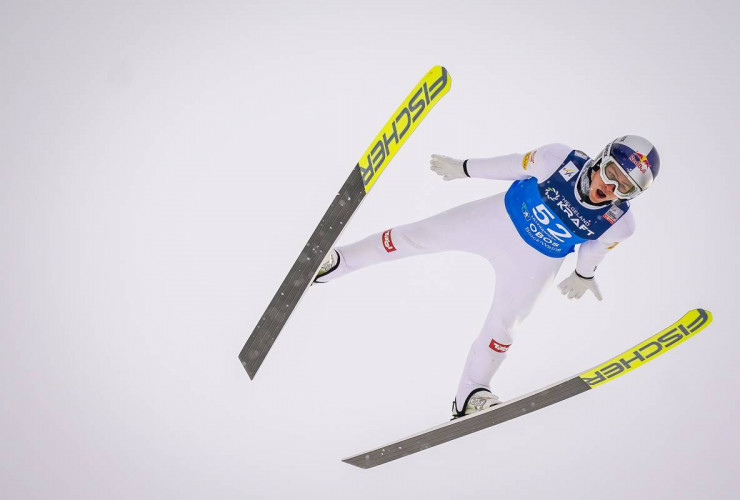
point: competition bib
(549, 215)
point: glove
(448, 168)
(575, 286)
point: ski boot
(330, 263)
(479, 399)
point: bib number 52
(544, 216)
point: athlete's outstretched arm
(590, 255)
(507, 167)
(539, 163)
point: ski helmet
(630, 164)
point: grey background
(162, 164)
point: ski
(435, 84)
(688, 326)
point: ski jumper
(524, 233)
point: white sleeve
(591, 253)
(540, 163)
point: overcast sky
(162, 164)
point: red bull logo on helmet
(640, 161)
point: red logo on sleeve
(498, 347)
(388, 242)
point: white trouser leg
(467, 227)
(521, 276)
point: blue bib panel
(549, 215)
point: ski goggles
(612, 173)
